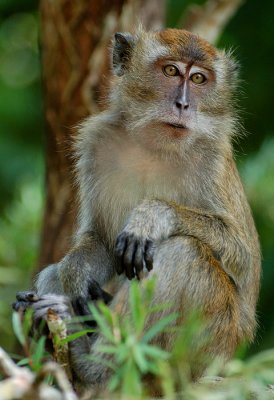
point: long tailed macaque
(160, 195)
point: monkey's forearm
(159, 220)
(222, 235)
(87, 260)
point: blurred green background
(250, 34)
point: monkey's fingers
(120, 247)
(97, 293)
(27, 296)
(133, 255)
(59, 304)
(129, 257)
(80, 306)
(21, 305)
(24, 300)
(148, 254)
(138, 260)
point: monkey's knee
(175, 249)
(190, 274)
(174, 256)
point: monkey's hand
(40, 306)
(60, 304)
(149, 223)
(95, 293)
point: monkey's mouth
(178, 126)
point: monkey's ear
(122, 49)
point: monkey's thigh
(189, 277)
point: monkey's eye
(171, 70)
(198, 78)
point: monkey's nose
(181, 104)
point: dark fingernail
(32, 296)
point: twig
(19, 379)
(209, 19)
(21, 383)
(58, 331)
(51, 368)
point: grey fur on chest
(126, 174)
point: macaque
(160, 196)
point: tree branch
(58, 331)
(209, 19)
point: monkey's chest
(122, 187)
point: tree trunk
(75, 41)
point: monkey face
(174, 87)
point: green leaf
(17, 328)
(155, 352)
(131, 381)
(149, 290)
(27, 322)
(39, 353)
(114, 382)
(74, 336)
(24, 361)
(265, 358)
(137, 308)
(123, 353)
(101, 360)
(49, 380)
(159, 327)
(15, 356)
(107, 312)
(102, 323)
(108, 349)
(140, 359)
(167, 380)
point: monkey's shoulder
(96, 128)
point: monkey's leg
(188, 277)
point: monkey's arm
(74, 275)
(60, 304)
(156, 220)
(223, 235)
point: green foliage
(126, 344)
(20, 99)
(19, 40)
(34, 351)
(127, 349)
(241, 378)
(18, 249)
(18, 246)
(258, 177)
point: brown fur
(185, 45)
